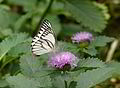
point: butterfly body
(44, 41)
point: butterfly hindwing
(44, 41)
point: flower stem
(45, 13)
(65, 84)
(42, 17)
(112, 50)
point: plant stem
(43, 16)
(45, 13)
(112, 50)
(65, 84)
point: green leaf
(3, 83)
(5, 32)
(10, 42)
(115, 65)
(91, 62)
(4, 7)
(72, 84)
(29, 64)
(55, 23)
(64, 46)
(58, 82)
(43, 79)
(32, 67)
(101, 41)
(7, 18)
(1, 1)
(93, 77)
(19, 23)
(91, 51)
(27, 4)
(20, 49)
(58, 7)
(104, 9)
(86, 12)
(70, 29)
(20, 81)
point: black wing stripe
(40, 44)
(49, 43)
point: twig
(112, 50)
(43, 16)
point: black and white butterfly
(44, 41)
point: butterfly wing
(44, 41)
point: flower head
(81, 37)
(62, 59)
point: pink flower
(62, 59)
(81, 37)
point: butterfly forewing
(44, 41)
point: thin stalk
(112, 50)
(46, 11)
(65, 84)
(43, 16)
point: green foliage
(5, 32)
(44, 80)
(116, 66)
(91, 62)
(67, 17)
(22, 19)
(7, 18)
(20, 49)
(64, 46)
(54, 20)
(11, 42)
(104, 10)
(90, 78)
(18, 81)
(28, 5)
(72, 84)
(70, 29)
(86, 12)
(99, 41)
(29, 65)
(58, 82)
(91, 51)
(3, 83)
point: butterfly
(44, 41)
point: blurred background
(100, 17)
